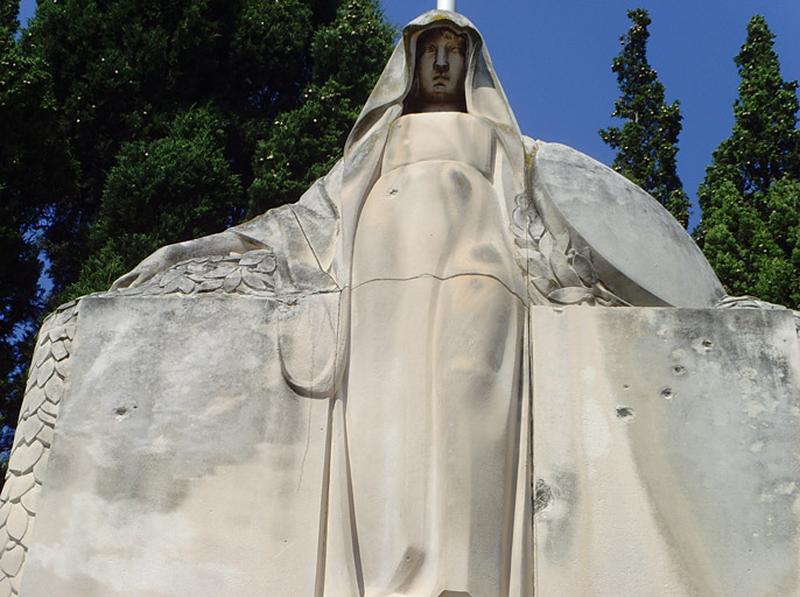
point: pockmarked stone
(661, 432)
(667, 441)
(182, 464)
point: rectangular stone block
(666, 452)
(181, 464)
(664, 445)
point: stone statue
(446, 223)
(438, 230)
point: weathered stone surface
(666, 452)
(11, 560)
(636, 246)
(31, 450)
(181, 463)
(345, 397)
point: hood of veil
(485, 99)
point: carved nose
(442, 64)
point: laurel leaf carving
(31, 450)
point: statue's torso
(433, 386)
(434, 210)
(440, 136)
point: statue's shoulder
(639, 250)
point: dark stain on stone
(486, 254)
(461, 184)
(542, 496)
(150, 481)
(624, 412)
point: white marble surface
(666, 451)
(665, 458)
(347, 396)
(183, 465)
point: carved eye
(431, 49)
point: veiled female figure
(426, 481)
(430, 408)
(438, 229)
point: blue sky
(554, 59)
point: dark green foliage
(9, 9)
(126, 72)
(647, 143)
(34, 172)
(174, 188)
(123, 70)
(129, 124)
(346, 58)
(750, 230)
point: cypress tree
(178, 186)
(750, 198)
(346, 58)
(149, 92)
(35, 171)
(646, 144)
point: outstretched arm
(222, 243)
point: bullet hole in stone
(679, 370)
(707, 344)
(393, 192)
(542, 497)
(667, 394)
(121, 412)
(624, 412)
(626, 387)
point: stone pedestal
(666, 452)
(182, 463)
(664, 445)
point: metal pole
(447, 5)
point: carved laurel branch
(252, 273)
(557, 272)
(31, 450)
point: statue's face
(441, 69)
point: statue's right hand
(222, 243)
(160, 260)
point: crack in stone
(442, 279)
(311, 248)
